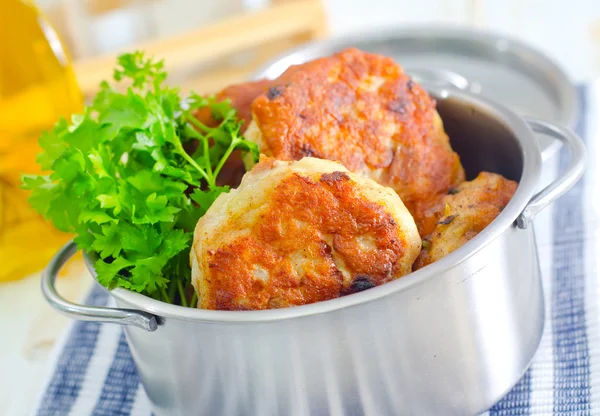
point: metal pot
(449, 339)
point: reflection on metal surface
(438, 77)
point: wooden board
(263, 33)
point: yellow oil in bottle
(37, 86)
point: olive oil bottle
(37, 86)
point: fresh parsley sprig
(124, 178)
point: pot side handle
(566, 180)
(133, 317)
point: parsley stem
(194, 300)
(164, 295)
(197, 123)
(209, 132)
(225, 120)
(210, 179)
(171, 293)
(207, 156)
(192, 132)
(201, 125)
(230, 149)
(181, 294)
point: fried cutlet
(295, 233)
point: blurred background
(55, 52)
(568, 31)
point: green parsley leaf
(120, 178)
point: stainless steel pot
(449, 339)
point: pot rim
(532, 162)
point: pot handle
(566, 180)
(133, 317)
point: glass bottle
(37, 87)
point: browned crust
(463, 214)
(326, 109)
(318, 222)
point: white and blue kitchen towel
(94, 374)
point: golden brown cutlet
(463, 213)
(300, 232)
(362, 110)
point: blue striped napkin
(94, 373)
